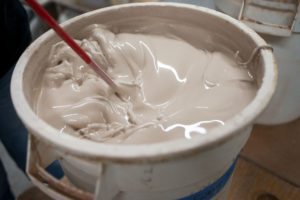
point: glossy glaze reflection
(170, 89)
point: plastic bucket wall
(200, 167)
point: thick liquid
(170, 89)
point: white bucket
(191, 169)
(285, 40)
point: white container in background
(190, 169)
(278, 22)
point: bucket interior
(202, 30)
(201, 27)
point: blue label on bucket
(213, 189)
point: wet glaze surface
(170, 88)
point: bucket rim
(163, 151)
